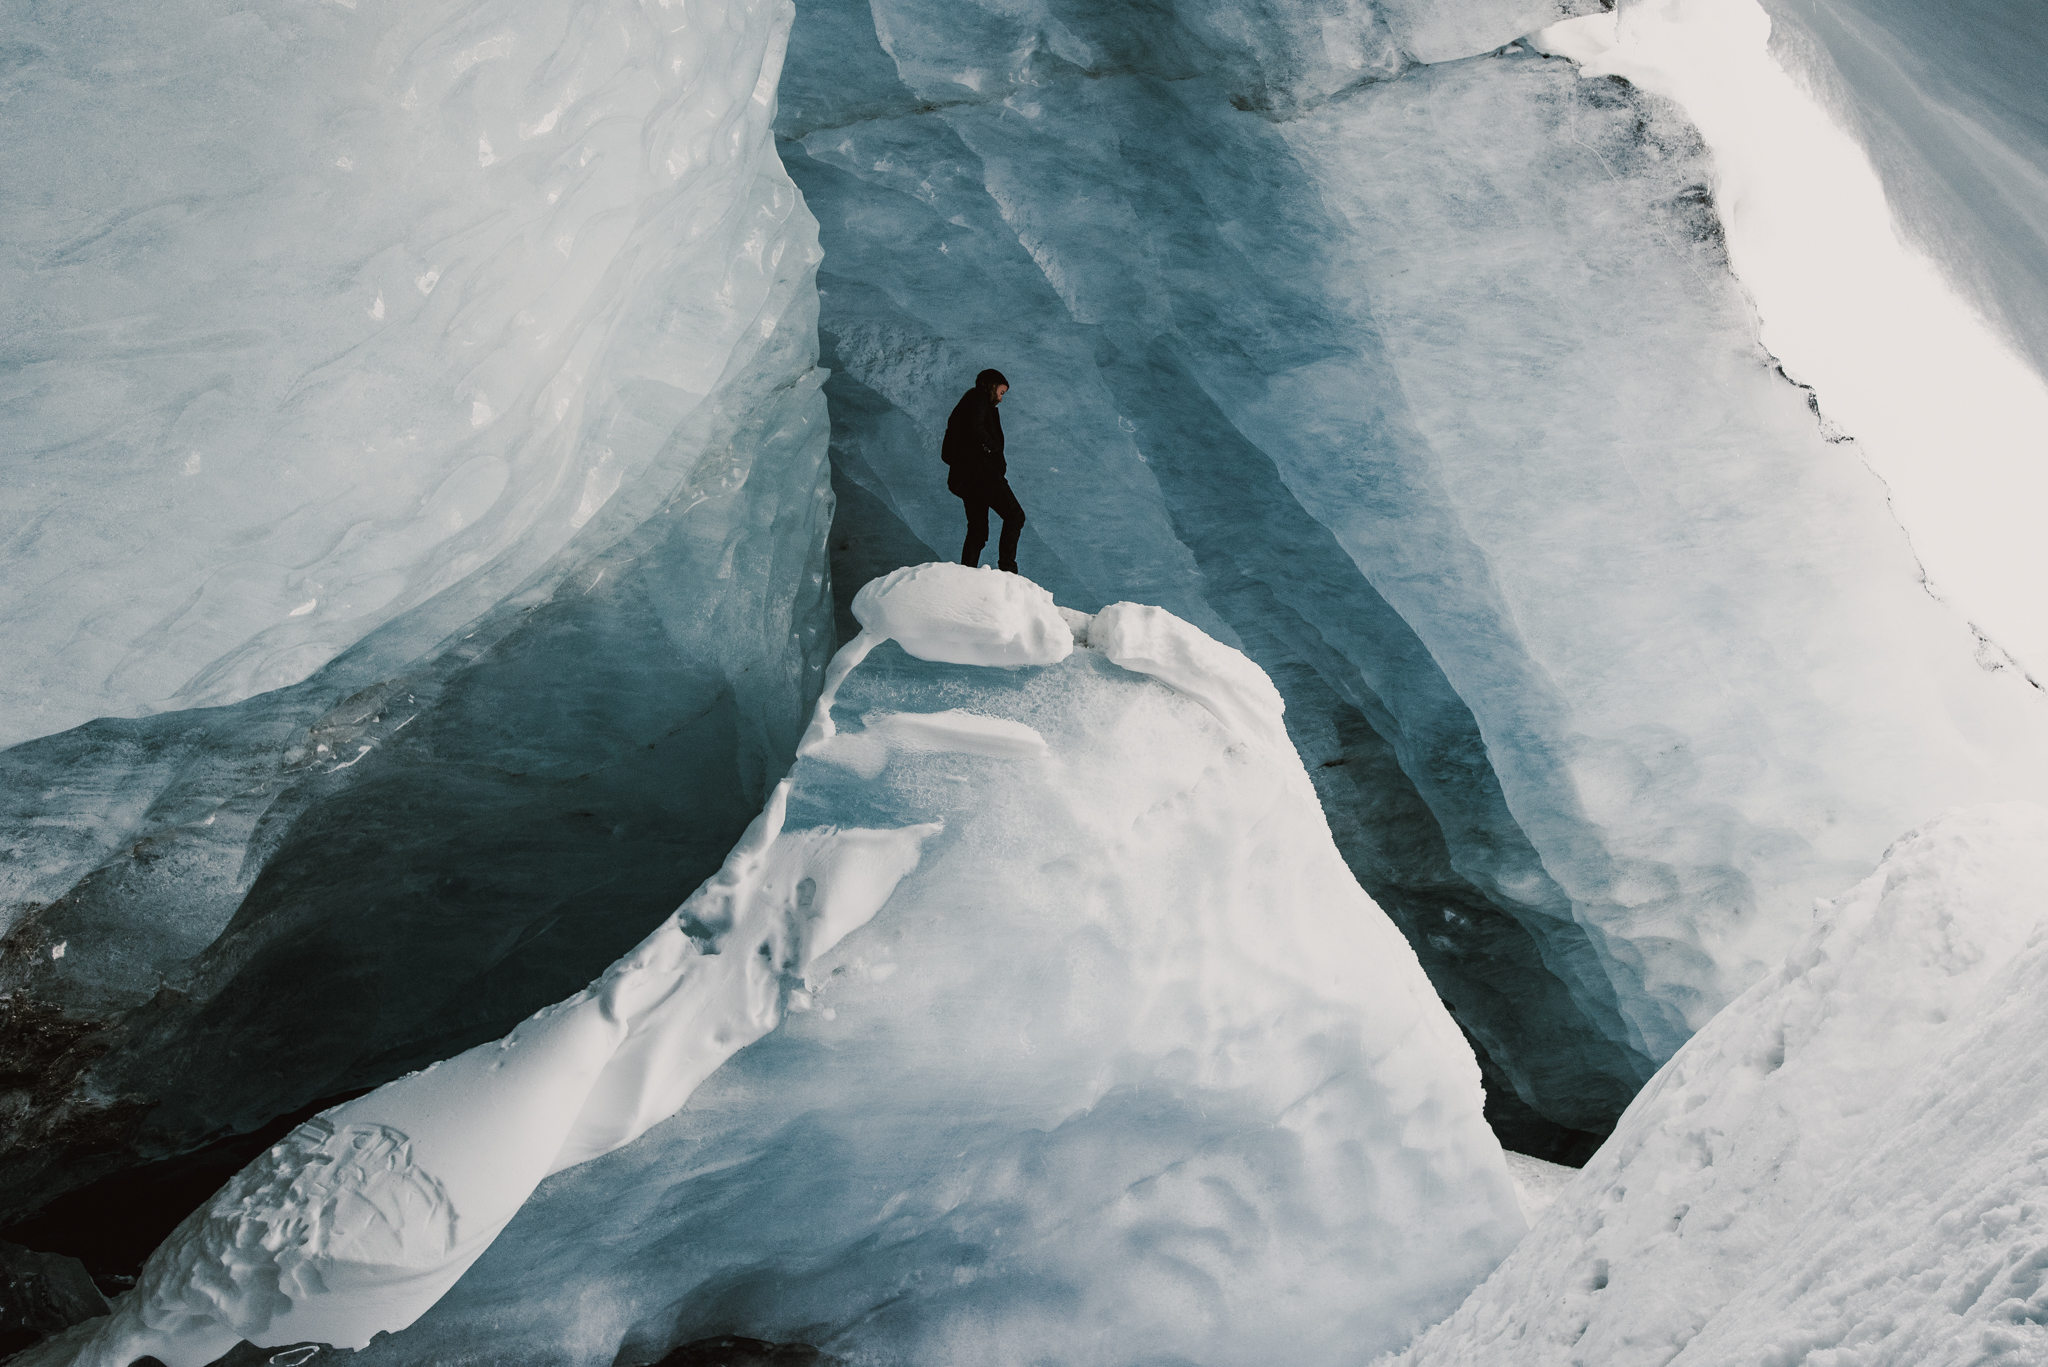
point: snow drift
(1846, 1165)
(1125, 1064)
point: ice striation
(1095, 1050)
(1848, 1164)
(1419, 374)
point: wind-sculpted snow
(1096, 1052)
(1849, 1164)
(1428, 386)
(472, 348)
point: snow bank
(363, 1217)
(1126, 1067)
(1846, 1165)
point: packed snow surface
(1126, 1066)
(957, 615)
(1848, 1165)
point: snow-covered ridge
(1237, 969)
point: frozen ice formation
(1127, 1064)
(1850, 1163)
(1425, 383)
(459, 362)
(332, 311)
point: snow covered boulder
(1127, 1066)
(1848, 1165)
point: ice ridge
(1240, 1023)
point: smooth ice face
(1847, 1162)
(1948, 414)
(1431, 390)
(506, 315)
(1097, 1052)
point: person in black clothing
(973, 450)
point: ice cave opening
(1499, 822)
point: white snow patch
(953, 731)
(1537, 1184)
(1154, 642)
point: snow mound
(1154, 642)
(957, 615)
(1849, 1164)
(1127, 1067)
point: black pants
(999, 497)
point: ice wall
(452, 366)
(1095, 1052)
(1845, 1165)
(1428, 385)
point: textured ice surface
(1849, 1164)
(475, 344)
(1127, 1067)
(1430, 389)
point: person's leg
(1004, 501)
(977, 529)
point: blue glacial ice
(1095, 1052)
(416, 580)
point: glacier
(1125, 1052)
(1584, 464)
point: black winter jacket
(974, 445)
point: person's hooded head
(991, 383)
